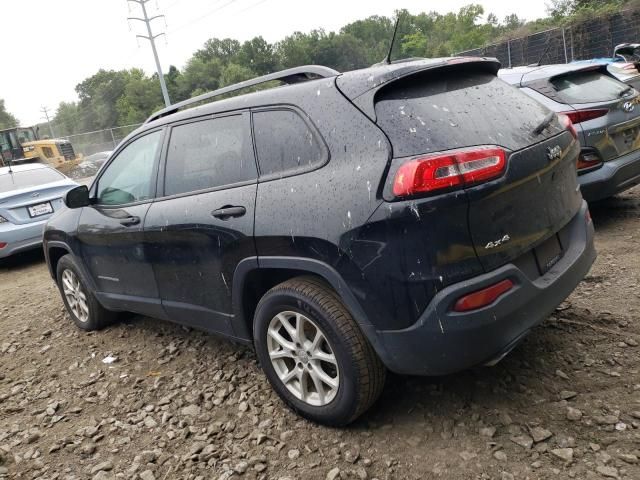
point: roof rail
(291, 75)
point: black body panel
(196, 254)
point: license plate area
(40, 209)
(547, 254)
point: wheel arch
(255, 276)
(54, 251)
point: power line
(151, 37)
(202, 17)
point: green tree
(223, 50)
(259, 56)
(7, 120)
(234, 73)
(199, 76)
(67, 120)
(141, 97)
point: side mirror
(77, 197)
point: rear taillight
(579, 116)
(483, 297)
(588, 160)
(566, 122)
(456, 168)
(3, 244)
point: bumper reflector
(482, 298)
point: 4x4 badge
(497, 243)
(553, 153)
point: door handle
(130, 221)
(228, 211)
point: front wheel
(82, 305)
(314, 354)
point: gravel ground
(177, 403)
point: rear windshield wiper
(625, 91)
(544, 124)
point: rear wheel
(82, 306)
(314, 354)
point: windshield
(588, 87)
(28, 178)
(25, 135)
(8, 142)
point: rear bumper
(443, 341)
(613, 177)
(20, 237)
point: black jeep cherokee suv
(419, 217)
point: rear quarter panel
(320, 214)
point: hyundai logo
(35, 194)
(628, 107)
(553, 153)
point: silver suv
(605, 113)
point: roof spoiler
(289, 76)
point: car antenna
(10, 170)
(543, 54)
(387, 59)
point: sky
(48, 46)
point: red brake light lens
(449, 170)
(588, 160)
(566, 122)
(3, 244)
(483, 297)
(579, 116)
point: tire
(350, 386)
(75, 292)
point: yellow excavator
(22, 145)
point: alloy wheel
(76, 298)
(303, 358)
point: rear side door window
(208, 154)
(285, 143)
(130, 176)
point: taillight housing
(588, 160)
(448, 170)
(579, 116)
(3, 244)
(566, 122)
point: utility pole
(45, 111)
(147, 21)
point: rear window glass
(285, 143)
(588, 87)
(208, 154)
(426, 114)
(28, 178)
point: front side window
(285, 143)
(129, 177)
(208, 154)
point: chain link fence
(89, 143)
(592, 38)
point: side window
(129, 177)
(208, 154)
(285, 143)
